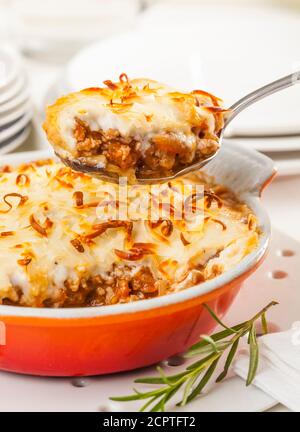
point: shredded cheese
(50, 234)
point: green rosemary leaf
(159, 380)
(248, 338)
(128, 398)
(163, 376)
(187, 389)
(216, 318)
(204, 380)
(254, 355)
(173, 391)
(139, 396)
(207, 349)
(264, 310)
(147, 404)
(216, 337)
(212, 348)
(228, 361)
(212, 343)
(200, 364)
(160, 406)
(264, 323)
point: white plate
(287, 164)
(248, 47)
(15, 141)
(14, 114)
(284, 152)
(14, 128)
(271, 144)
(8, 67)
(14, 89)
(15, 102)
(175, 53)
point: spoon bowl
(111, 177)
(80, 164)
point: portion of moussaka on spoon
(136, 128)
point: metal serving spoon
(234, 110)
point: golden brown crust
(51, 124)
(57, 251)
(167, 126)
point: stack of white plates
(15, 108)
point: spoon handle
(261, 93)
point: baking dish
(99, 340)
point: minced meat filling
(119, 151)
(166, 152)
(121, 286)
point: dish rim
(251, 198)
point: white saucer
(15, 141)
(14, 88)
(15, 102)
(271, 144)
(9, 68)
(12, 129)
(14, 115)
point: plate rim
(15, 114)
(16, 127)
(10, 104)
(15, 141)
(13, 57)
(18, 86)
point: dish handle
(243, 170)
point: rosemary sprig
(194, 378)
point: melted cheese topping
(48, 222)
(139, 108)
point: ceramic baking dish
(100, 340)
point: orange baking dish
(100, 340)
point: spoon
(233, 111)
